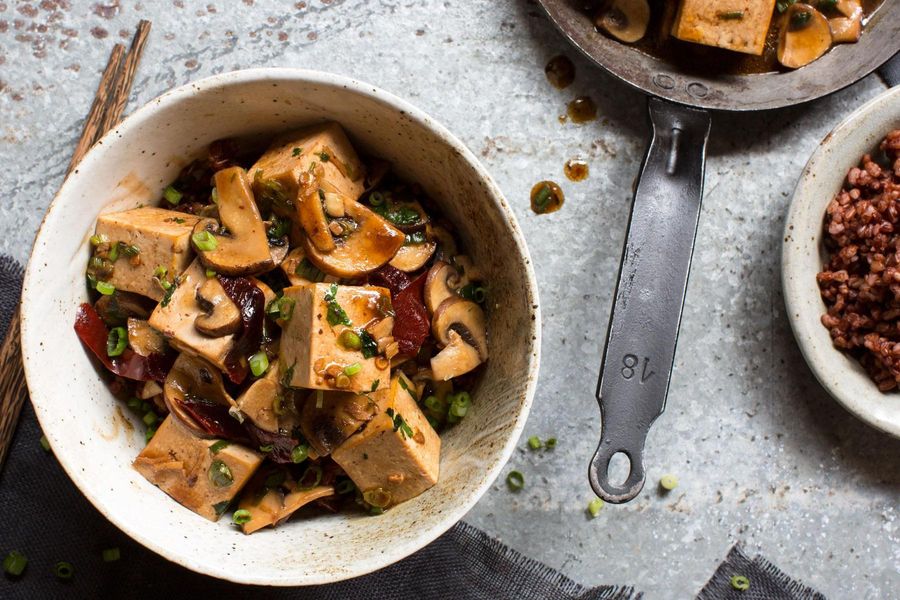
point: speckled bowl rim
(411, 541)
(802, 253)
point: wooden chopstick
(106, 110)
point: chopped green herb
(221, 507)
(205, 241)
(241, 516)
(350, 340)
(800, 19)
(542, 199)
(415, 238)
(218, 446)
(278, 229)
(45, 443)
(148, 435)
(534, 442)
(267, 448)
(64, 570)
(403, 216)
(324, 156)
(219, 474)
(369, 345)
(134, 403)
(594, 506)
(113, 255)
(116, 341)
(167, 297)
(405, 387)
(375, 385)
(172, 195)
(150, 418)
(826, 4)
(740, 583)
(783, 5)
(351, 370)
(288, 376)
(177, 220)
(259, 363)
(399, 423)
(210, 273)
(299, 453)
(730, 15)
(111, 554)
(550, 444)
(668, 482)
(336, 314)
(297, 152)
(309, 271)
(106, 288)
(14, 563)
(515, 481)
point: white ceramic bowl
(803, 255)
(130, 166)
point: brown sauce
(546, 197)
(576, 169)
(560, 72)
(582, 109)
(691, 58)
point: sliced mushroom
(192, 379)
(846, 28)
(446, 244)
(143, 339)
(329, 418)
(459, 326)
(625, 20)
(468, 272)
(116, 308)
(441, 283)
(148, 390)
(804, 37)
(264, 402)
(372, 243)
(240, 244)
(311, 212)
(412, 257)
(221, 316)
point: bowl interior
(95, 441)
(803, 255)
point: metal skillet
(646, 314)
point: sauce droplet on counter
(560, 72)
(546, 197)
(582, 109)
(576, 169)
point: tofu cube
(163, 238)
(176, 320)
(398, 451)
(311, 356)
(180, 464)
(702, 22)
(292, 153)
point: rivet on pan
(697, 90)
(664, 81)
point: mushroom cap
(143, 339)
(222, 316)
(243, 249)
(310, 211)
(441, 283)
(193, 377)
(625, 20)
(412, 257)
(372, 244)
(457, 358)
(804, 36)
(463, 317)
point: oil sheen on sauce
(560, 72)
(546, 197)
(582, 109)
(576, 169)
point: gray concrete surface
(763, 455)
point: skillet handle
(646, 314)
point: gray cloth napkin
(48, 520)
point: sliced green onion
(150, 418)
(344, 487)
(472, 292)
(515, 480)
(241, 516)
(64, 570)
(668, 482)
(111, 554)
(594, 506)
(459, 406)
(534, 442)
(320, 398)
(317, 471)
(14, 563)
(116, 341)
(134, 403)
(740, 583)
(378, 497)
(113, 255)
(45, 443)
(172, 195)
(376, 198)
(351, 370)
(210, 273)
(550, 444)
(219, 474)
(376, 510)
(259, 363)
(299, 453)
(106, 288)
(205, 241)
(218, 446)
(98, 239)
(350, 340)
(267, 448)
(148, 435)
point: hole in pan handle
(653, 274)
